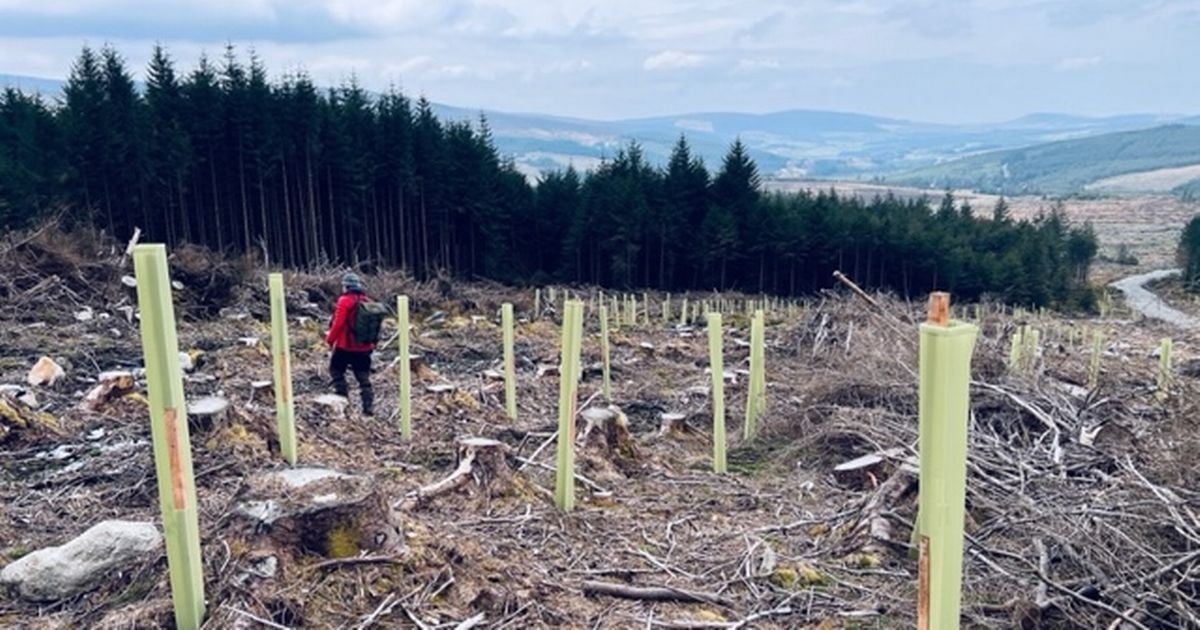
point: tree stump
(333, 405)
(673, 423)
(111, 385)
(205, 413)
(318, 511)
(261, 391)
(605, 445)
(481, 459)
(874, 532)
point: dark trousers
(360, 364)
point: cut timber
(874, 532)
(652, 593)
(320, 511)
(482, 459)
(673, 424)
(493, 375)
(45, 372)
(866, 471)
(333, 404)
(112, 385)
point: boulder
(59, 572)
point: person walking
(352, 340)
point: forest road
(1149, 304)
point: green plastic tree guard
(944, 397)
(761, 344)
(564, 483)
(510, 370)
(1094, 363)
(606, 383)
(169, 430)
(285, 418)
(755, 392)
(404, 367)
(717, 367)
(1164, 368)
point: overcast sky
(945, 61)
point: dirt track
(1138, 297)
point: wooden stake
(717, 366)
(939, 309)
(510, 371)
(923, 584)
(403, 364)
(285, 420)
(169, 430)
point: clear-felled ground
(1080, 507)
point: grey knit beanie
(351, 282)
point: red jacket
(341, 330)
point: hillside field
(1077, 499)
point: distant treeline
(226, 158)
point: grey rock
(56, 573)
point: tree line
(225, 157)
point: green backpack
(368, 320)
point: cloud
(573, 57)
(759, 63)
(672, 60)
(1071, 64)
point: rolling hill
(1156, 159)
(791, 144)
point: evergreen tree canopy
(224, 157)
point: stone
(45, 372)
(57, 573)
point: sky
(951, 61)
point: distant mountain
(1148, 160)
(790, 144)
